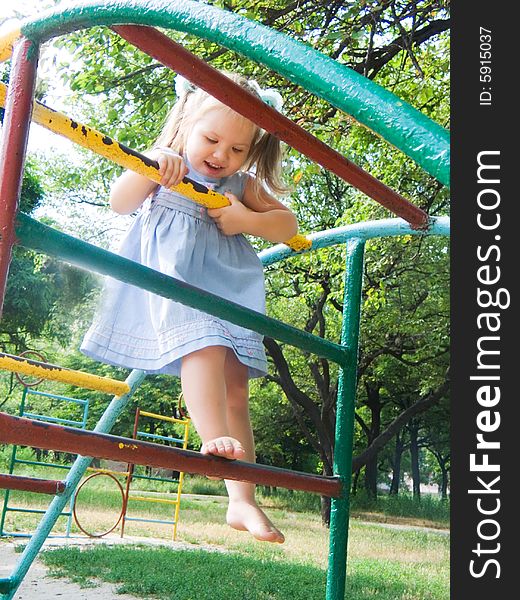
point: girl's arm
(130, 190)
(259, 214)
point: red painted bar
(37, 434)
(17, 119)
(32, 484)
(172, 55)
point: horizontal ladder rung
(150, 499)
(156, 436)
(39, 463)
(150, 520)
(36, 511)
(25, 432)
(143, 413)
(32, 484)
(153, 478)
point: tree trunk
(396, 471)
(325, 511)
(355, 479)
(444, 480)
(414, 455)
(374, 404)
(371, 478)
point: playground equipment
(184, 422)
(78, 418)
(407, 129)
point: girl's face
(219, 142)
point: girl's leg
(215, 389)
(243, 511)
(204, 390)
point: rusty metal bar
(14, 143)
(27, 432)
(174, 56)
(31, 484)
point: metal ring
(20, 378)
(183, 413)
(74, 511)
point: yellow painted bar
(142, 413)
(129, 159)
(88, 381)
(9, 33)
(108, 471)
(149, 499)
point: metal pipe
(88, 381)
(18, 430)
(16, 124)
(31, 484)
(344, 435)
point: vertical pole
(74, 476)
(129, 474)
(339, 518)
(12, 462)
(17, 119)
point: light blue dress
(136, 329)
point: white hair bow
(271, 97)
(183, 86)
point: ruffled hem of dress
(114, 348)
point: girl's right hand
(172, 167)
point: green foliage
(428, 508)
(280, 441)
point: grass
(384, 563)
(167, 574)
(429, 511)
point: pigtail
(266, 157)
(174, 133)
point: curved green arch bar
(396, 121)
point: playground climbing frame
(401, 125)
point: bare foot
(245, 516)
(224, 446)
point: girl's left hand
(231, 220)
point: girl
(215, 146)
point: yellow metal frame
(17, 364)
(102, 144)
(185, 422)
(9, 33)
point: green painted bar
(344, 436)
(395, 120)
(44, 239)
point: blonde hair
(265, 153)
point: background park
(401, 442)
